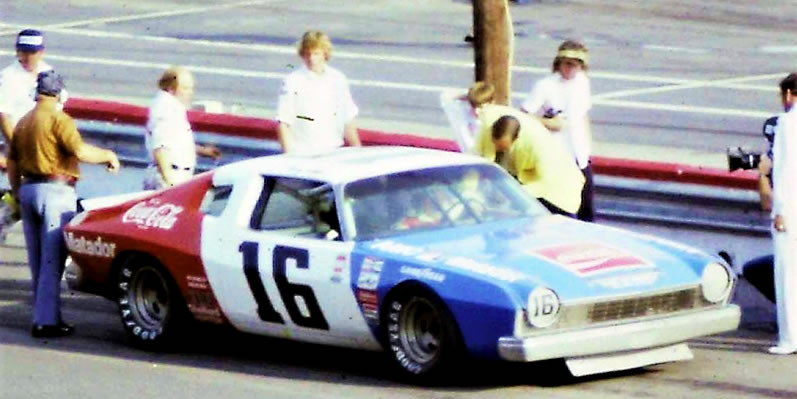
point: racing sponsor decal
(367, 282)
(81, 245)
(407, 250)
(370, 270)
(627, 281)
(339, 270)
(590, 258)
(471, 265)
(423, 273)
(474, 266)
(152, 213)
(397, 248)
(201, 301)
(369, 303)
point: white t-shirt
(168, 127)
(316, 107)
(462, 118)
(18, 89)
(553, 94)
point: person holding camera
(784, 219)
(562, 101)
(759, 272)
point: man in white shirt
(18, 82)
(562, 101)
(169, 139)
(315, 110)
(784, 214)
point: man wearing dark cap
(18, 81)
(43, 169)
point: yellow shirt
(539, 162)
(45, 141)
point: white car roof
(347, 164)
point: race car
(430, 256)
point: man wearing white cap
(18, 82)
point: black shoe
(49, 331)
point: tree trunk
(493, 45)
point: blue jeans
(46, 209)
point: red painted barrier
(258, 128)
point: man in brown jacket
(43, 169)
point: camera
(741, 159)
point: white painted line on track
(397, 85)
(690, 109)
(674, 49)
(722, 83)
(779, 49)
(150, 15)
(290, 50)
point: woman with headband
(562, 101)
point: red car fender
(167, 226)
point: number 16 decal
(287, 290)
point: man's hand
(113, 162)
(764, 187)
(779, 224)
(209, 150)
(554, 123)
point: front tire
(150, 305)
(420, 334)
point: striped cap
(30, 40)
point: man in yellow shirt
(523, 146)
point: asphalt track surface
(673, 80)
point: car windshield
(434, 198)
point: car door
(278, 267)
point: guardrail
(696, 197)
(266, 129)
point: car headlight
(543, 307)
(716, 282)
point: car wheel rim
(150, 297)
(420, 330)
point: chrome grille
(644, 306)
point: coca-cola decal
(153, 213)
(590, 258)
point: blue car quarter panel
(482, 305)
(485, 273)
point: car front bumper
(630, 336)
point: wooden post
(493, 44)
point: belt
(56, 178)
(175, 167)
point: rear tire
(420, 334)
(150, 304)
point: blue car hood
(576, 259)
